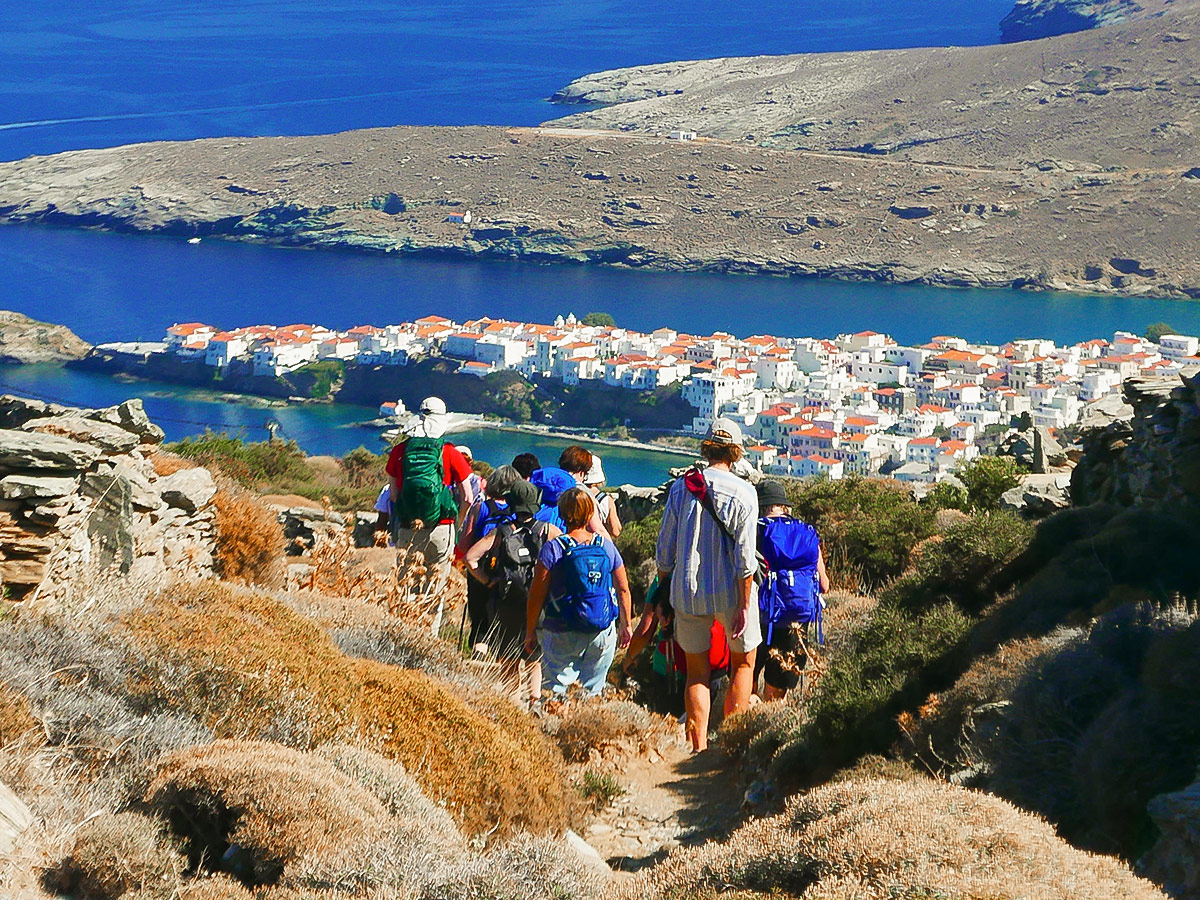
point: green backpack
(423, 492)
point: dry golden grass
(16, 715)
(942, 736)
(278, 805)
(119, 853)
(493, 771)
(595, 724)
(249, 666)
(167, 463)
(879, 839)
(215, 887)
(249, 538)
(244, 663)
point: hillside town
(856, 404)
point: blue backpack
(491, 514)
(589, 601)
(790, 592)
(553, 483)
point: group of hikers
(738, 587)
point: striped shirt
(707, 567)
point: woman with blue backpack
(487, 511)
(789, 598)
(580, 586)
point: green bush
(638, 539)
(281, 467)
(986, 479)
(945, 495)
(868, 527)
(1104, 725)
(898, 659)
(963, 564)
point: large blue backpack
(588, 602)
(553, 483)
(790, 591)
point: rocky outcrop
(1145, 450)
(80, 499)
(1174, 861)
(1033, 19)
(26, 340)
(1039, 495)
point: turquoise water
(81, 74)
(329, 429)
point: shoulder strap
(698, 487)
(567, 541)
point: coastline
(639, 201)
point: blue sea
(76, 74)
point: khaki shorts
(694, 633)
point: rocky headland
(1032, 19)
(1069, 164)
(26, 340)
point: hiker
(503, 563)
(606, 506)
(383, 509)
(706, 547)
(526, 464)
(553, 483)
(580, 583)
(487, 512)
(477, 480)
(668, 661)
(789, 598)
(421, 471)
(576, 461)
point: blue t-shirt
(552, 553)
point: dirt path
(671, 800)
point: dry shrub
(249, 538)
(400, 794)
(215, 887)
(115, 854)
(525, 868)
(250, 666)
(878, 839)
(488, 765)
(16, 715)
(278, 805)
(951, 731)
(873, 766)
(167, 463)
(244, 663)
(595, 724)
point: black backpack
(515, 554)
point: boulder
(635, 503)
(588, 855)
(188, 489)
(112, 439)
(20, 450)
(131, 416)
(1104, 412)
(1039, 495)
(16, 411)
(1174, 860)
(1047, 452)
(142, 496)
(36, 487)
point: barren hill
(1122, 97)
(26, 340)
(1070, 163)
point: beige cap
(724, 431)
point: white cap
(435, 406)
(595, 474)
(464, 450)
(724, 431)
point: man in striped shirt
(709, 554)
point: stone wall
(1145, 450)
(80, 500)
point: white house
(224, 348)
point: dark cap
(523, 499)
(771, 493)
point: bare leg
(741, 681)
(533, 680)
(697, 699)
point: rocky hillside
(26, 340)
(1032, 19)
(1120, 98)
(80, 500)
(640, 201)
